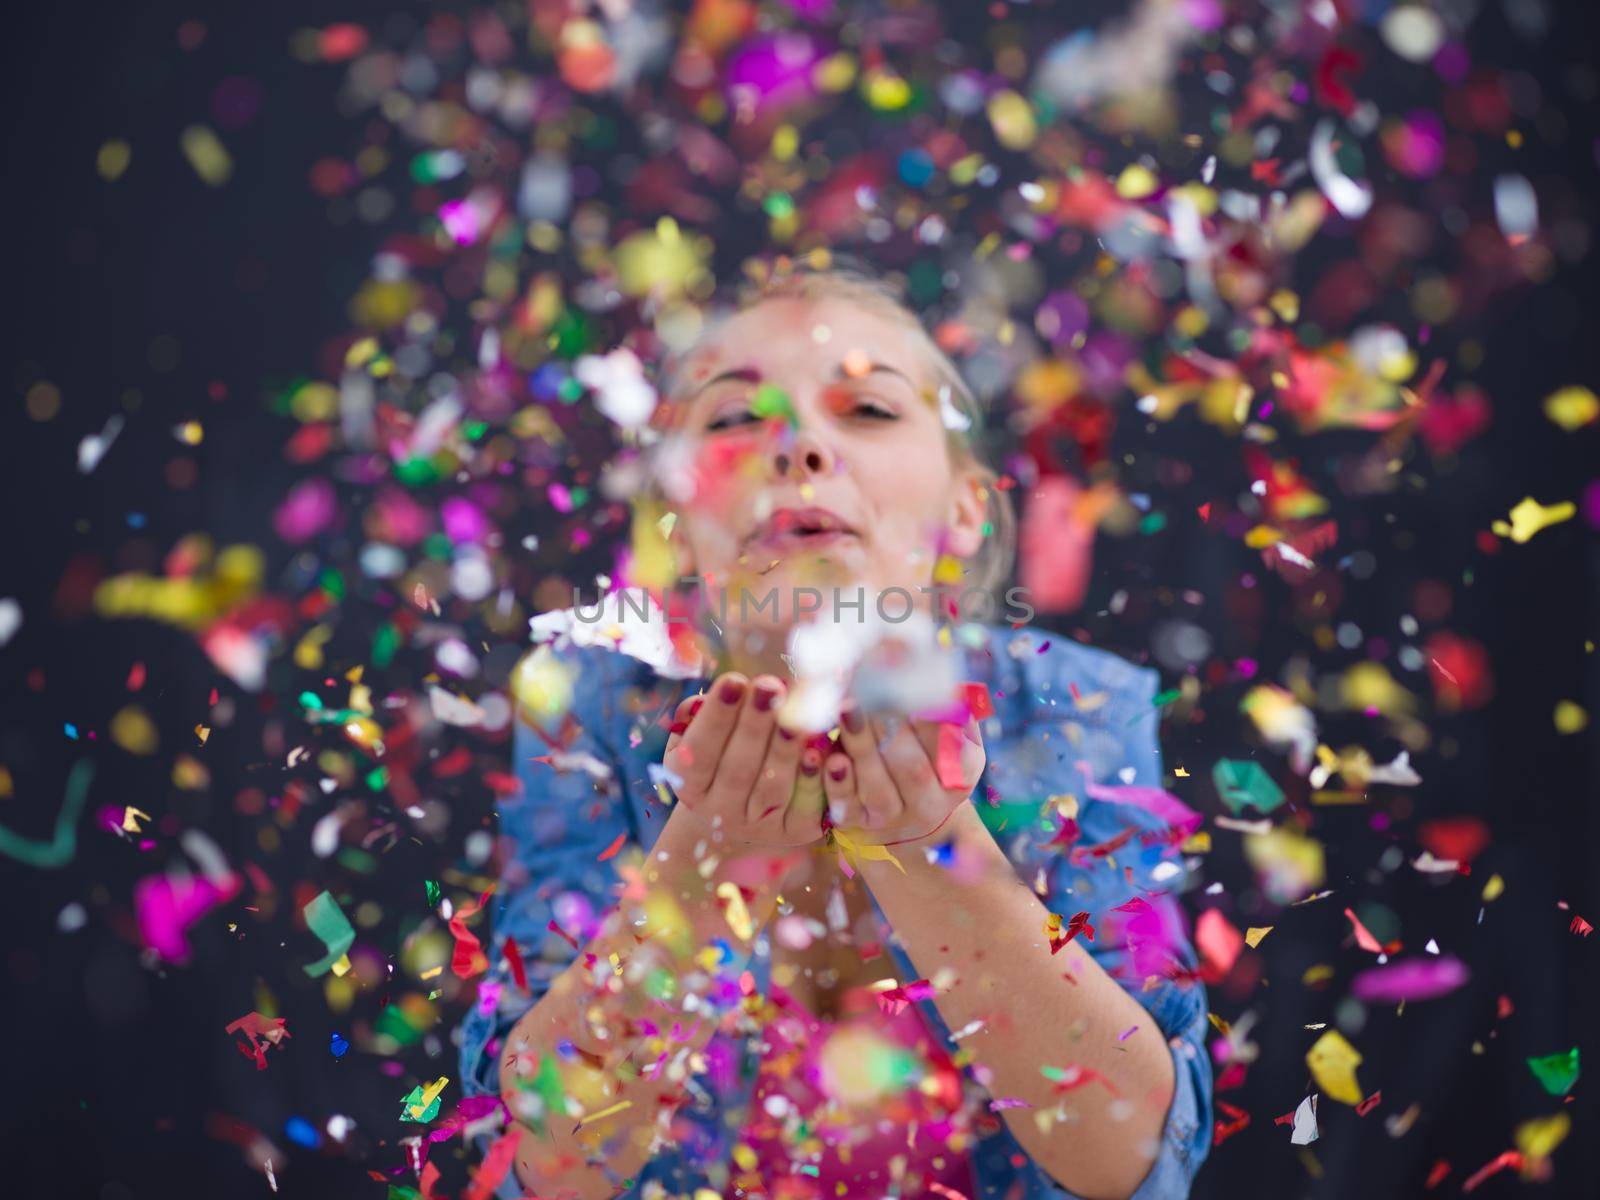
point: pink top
(846, 1107)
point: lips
(810, 526)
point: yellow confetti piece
(1253, 935)
(113, 160)
(606, 1112)
(1333, 1062)
(1539, 1137)
(1529, 517)
(855, 851)
(134, 731)
(1570, 717)
(1012, 118)
(1494, 889)
(1572, 407)
(342, 966)
(429, 1095)
(131, 817)
(1136, 182)
(736, 912)
(1317, 973)
(207, 155)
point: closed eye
(875, 412)
(732, 420)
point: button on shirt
(1066, 716)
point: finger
(804, 815)
(746, 750)
(839, 785)
(775, 786)
(880, 800)
(907, 760)
(695, 756)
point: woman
(832, 975)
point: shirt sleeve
(1131, 888)
(1090, 718)
(571, 806)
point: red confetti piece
(1494, 1166)
(1370, 1103)
(513, 954)
(1364, 938)
(611, 850)
(562, 934)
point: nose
(805, 455)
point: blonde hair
(823, 276)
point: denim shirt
(1060, 709)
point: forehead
(795, 338)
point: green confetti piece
(771, 401)
(1242, 783)
(414, 1100)
(311, 700)
(63, 843)
(324, 918)
(1167, 697)
(432, 888)
(384, 644)
(1556, 1072)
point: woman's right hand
(753, 782)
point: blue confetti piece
(338, 1046)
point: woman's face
(820, 460)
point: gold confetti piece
(207, 155)
(114, 157)
(1253, 935)
(1493, 889)
(134, 731)
(131, 817)
(1333, 1062)
(1181, 773)
(432, 972)
(202, 732)
(1572, 407)
(1529, 517)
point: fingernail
(809, 764)
(765, 698)
(838, 771)
(851, 718)
(732, 692)
(785, 734)
(695, 707)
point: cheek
(908, 487)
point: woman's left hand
(883, 781)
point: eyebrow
(751, 375)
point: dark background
(121, 1081)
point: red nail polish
(765, 698)
(732, 692)
(785, 734)
(695, 707)
(851, 719)
(809, 764)
(838, 772)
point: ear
(968, 511)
